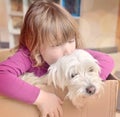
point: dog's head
(79, 72)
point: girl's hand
(49, 104)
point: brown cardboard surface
(104, 106)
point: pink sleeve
(105, 62)
(10, 84)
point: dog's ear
(52, 71)
(56, 76)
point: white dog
(78, 72)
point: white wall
(98, 22)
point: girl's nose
(67, 49)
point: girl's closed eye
(71, 41)
(61, 44)
(57, 45)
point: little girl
(48, 33)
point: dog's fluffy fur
(78, 73)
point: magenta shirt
(10, 70)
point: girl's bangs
(57, 37)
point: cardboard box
(104, 106)
(116, 72)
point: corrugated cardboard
(118, 98)
(104, 106)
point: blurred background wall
(98, 22)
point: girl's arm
(10, 83)
(105, 62)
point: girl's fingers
(44, 115)
(57, 113)
(52, 115)
(60, 110)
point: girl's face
(51, 54)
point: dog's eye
(90, 69)
(73, 75)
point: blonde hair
(47, 23)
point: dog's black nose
(90, 89)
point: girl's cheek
(55, 57)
